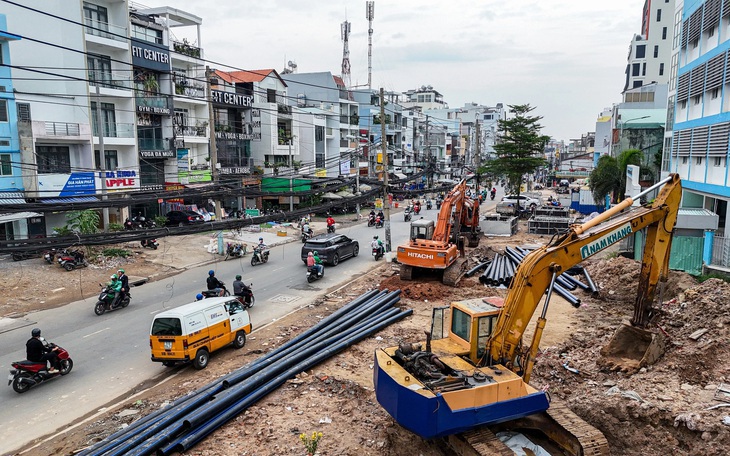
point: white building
(650, 51)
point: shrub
(113, 227)
(160, 220)
(116, 252)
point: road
(111, 352)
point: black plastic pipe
(477, 268)
(591, 284)
(567, 295)
(572, 279)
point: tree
(84, 222)
(519, 146)
(609, 176)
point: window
(108, 120)
(695, 43)
(318, 133)
(656, 51)
(96, 19)
(715, 93)
(641, 51)
(100, 70)
(683, 104)
(6, 168)
(711, 32)
(635, 69)
(460, 324)
(271, 95)
(696, 99)
(643, 69)
(661, 69)
(698, 160)
(147, 34)
(664, 33)
(659, 15)
(23, 112)
(3, 110)
(111, 162)
(684, 160)
(638, 84)
(718, 161)
(53, 160)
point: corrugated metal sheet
(12, 198)
(5, 218)
(686, 254)
(73, 199)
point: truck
(440, 246)
(471, 375)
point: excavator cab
(422, 229)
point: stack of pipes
(503, 267)
(179, 426)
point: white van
(195, 330)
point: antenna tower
(345, 26)
(370, 15)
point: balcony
(184, 130)
(110, 80)
(116, 130)
(189, 88)
(104, 34)
(185, 48)
(62, 129)
(152, 103)
(153, 144)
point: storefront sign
(147, 55)
(157, 153)
(234, 136)
(66, 184)
(183, 163)
(174, 186)
(195, 176)
(236, 170)
(153, 109)
(119, 180)
(232, 99)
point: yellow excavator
(471, 378)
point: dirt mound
(664, 408)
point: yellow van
(194, 331)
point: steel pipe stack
(188, 420)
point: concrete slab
(9, 324)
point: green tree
(84, 222)
(519, 146)
(609, 176)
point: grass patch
(702, 277)
(116, 252)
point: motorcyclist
(115, 286)
(307, 229)
(240, 288)
(38, 351)
(493, 192)
(214, 284)
(330, 223)
(199, 297)
(377, 244)
(124, 291)
(318, 267)
(261, 246)
(417, 207)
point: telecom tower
(346, 53)
(370, 15)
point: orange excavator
(471, 378)
(440, 246)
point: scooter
(371, 221)
(214, 294)
(248, 299)
(306, 235)
(151, 243)
(491, 195)
(417, 209)
(377, 253)
(50, 255)
(27, 374)
(312, 276)
(331, 228)
(72, 260)
(378, 223)
(408, 214)
(438, 204)
(235, 250)
(429, 205)
(106, 298)
(259, 257)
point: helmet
(121, 270)
(315, 253)
(309, 254)
(238, 277)
(375, 237)
(36, 332)
(199, 296)
(261, 239)
(211, 272)
(113, 277)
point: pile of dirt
(664, 408)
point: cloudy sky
(565, 57)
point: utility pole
(384, 148)
(213, 146)
(291, 178)
(102, 158)
(357, 179)
(429, 171)
(478, 156)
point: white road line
(277, 269)
(97, 332)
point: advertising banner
(73, 184)
(118, 180)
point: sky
(566, 58)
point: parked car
(180, 218)
(331, 248)
(526, 201)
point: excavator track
(591, 440)
(454, 273)
(478, 442)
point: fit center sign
(148, 55)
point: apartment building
(425, 97)
(650, 50)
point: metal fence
(721, 251)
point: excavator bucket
(632, 348)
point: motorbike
(491, 195)
(106, 298)
(27, 374)
(417, 209)
(378, 223)
(248, 299)
(429, 205)
(438, 204)
(408, 214)
(214, 294)
(306, 235)
(234, 250)
(151, 243)
(371, 221)
(128, 224)
(312, 276)
(72, 260)
(377, 253)
(259, 257)
(331, 228)
(50, 255)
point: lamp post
(621, 130)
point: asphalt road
(111, 352)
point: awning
(7, 218)
(12, 198)
(400, 176)
(72, 199)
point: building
(650, 51)
(425, 97)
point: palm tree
(609, 176)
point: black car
(180, 218)
(331, 248)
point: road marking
(284, 298)
(97, 332)
(277, 269)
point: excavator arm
(539, 268)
